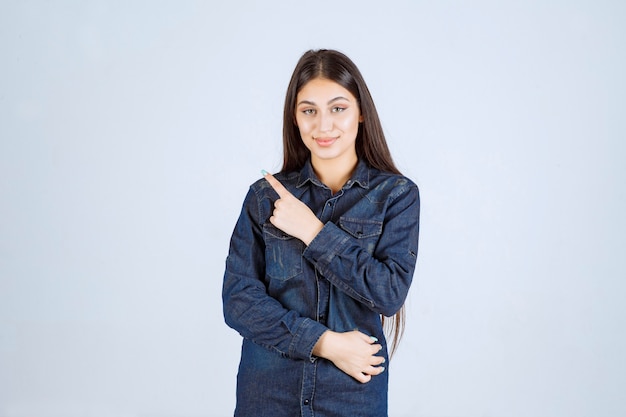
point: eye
(308, 112)
(338, 109)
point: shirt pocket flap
(361, 228)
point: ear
(361, 119)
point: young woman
(321, 254)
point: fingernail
(383, 360)
(374, 338)
(264, 172)
(383, 369)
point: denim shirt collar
(360, 176)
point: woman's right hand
(352, 352)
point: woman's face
(328, 118)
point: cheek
(304, 126)
(351, 123)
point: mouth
(324, 142)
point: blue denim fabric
(281, 295)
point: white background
(130, 132)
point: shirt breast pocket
(367, 231)
(283, 253)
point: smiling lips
(324, 142)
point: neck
(334, 173)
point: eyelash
(336, 109)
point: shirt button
(306, 402)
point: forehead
(322, 90)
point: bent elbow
(390, 309)
(393, 294)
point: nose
(326, 122)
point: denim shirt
(281, 295)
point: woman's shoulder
(393, 183)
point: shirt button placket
(327, 213)
(308, 387)
(329, 207)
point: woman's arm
(248, 308)
(380, 280)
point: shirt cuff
(305, 338)
(326, 244)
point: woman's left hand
(355, 353)
(291, 215)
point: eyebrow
(311, 103)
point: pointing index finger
(276, 185)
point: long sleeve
(248, 308)
(380, 279)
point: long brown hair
(371, 145)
